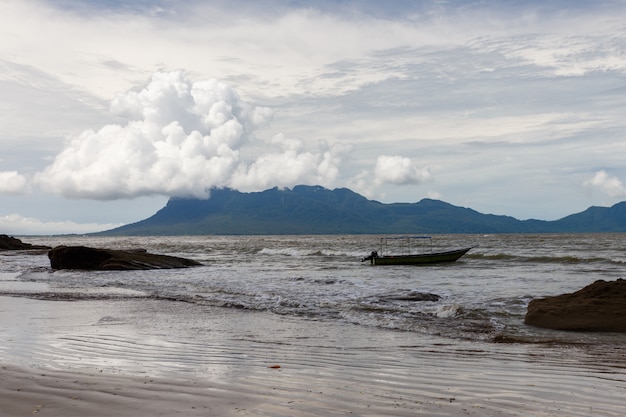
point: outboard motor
(373, 255)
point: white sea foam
(286, 252)
(447, 310)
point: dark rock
(411, 296)
(12, 243)
(82, 257)
(418, 296)
(599, 307)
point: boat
(407, 257)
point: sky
(109, 108)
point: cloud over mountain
(612, 186)
(181, 139)
(399, 170)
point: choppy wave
(507, 257)
(301, 252)
(481, 297)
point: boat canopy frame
(384, 244)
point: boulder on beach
(599, 307)
(12, 243)
(82, 257)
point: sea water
(483, 296)
(397, 338)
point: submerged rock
(415, 296)
(12, 243)
(82, 257)
(599, 307)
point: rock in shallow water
(82, 257)
(599, 307)
(12, 243)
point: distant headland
(318, 210)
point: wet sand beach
(143, 357)
(55, 393)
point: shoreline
(153, 357)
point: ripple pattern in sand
(325, 368)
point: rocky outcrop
(12, 243)
(599, 307)
(82, 257)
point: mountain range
(317, 210)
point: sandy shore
(25, 392)
(160, 358)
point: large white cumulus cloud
(291, 160)
(181, 139)
(390, 170)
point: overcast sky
(110, 107)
